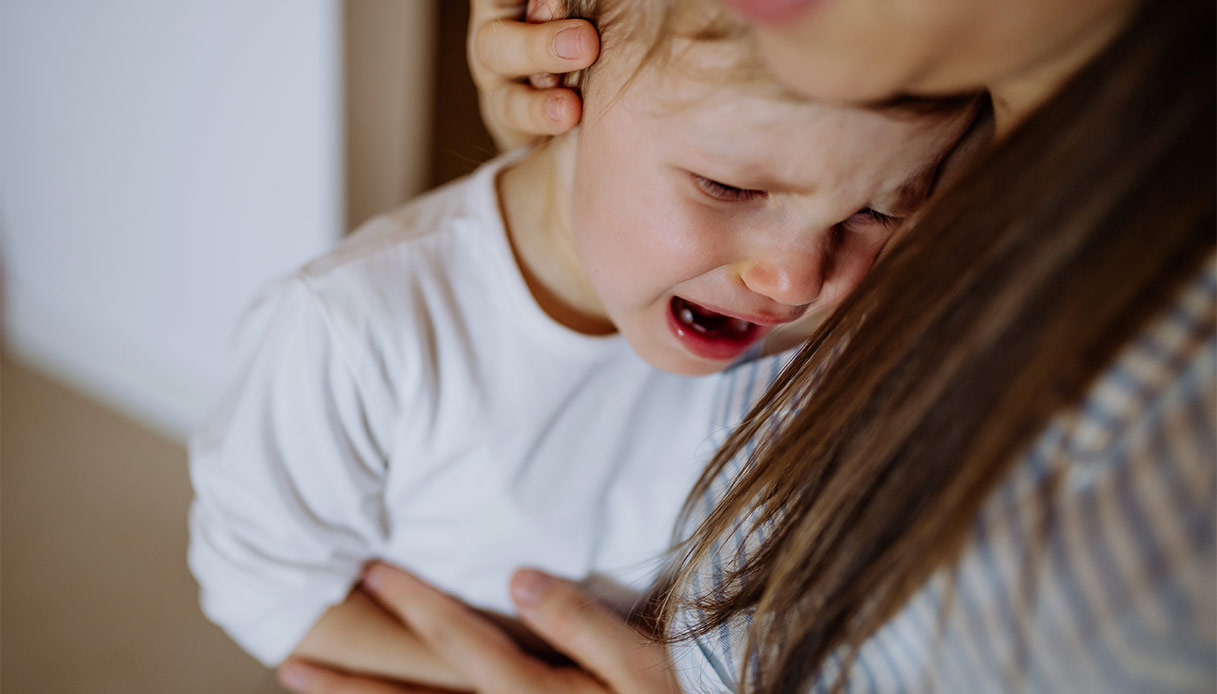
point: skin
(871, 50)
(358, 635)
(504, 50)
(786, 252)
(861, 50)
(615, 657)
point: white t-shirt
(404, 398)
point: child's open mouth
(711, 335)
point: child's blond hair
(660, 30)
(655, 28)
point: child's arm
(359, 636)
(289, 479)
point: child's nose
(793, 279)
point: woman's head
(875, 50)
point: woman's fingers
(595, 637)
(442, 622)
(306, 678)
(512, 50)
(477, 648)
(592, 635)
(516, 112)
(505, 54)
(522, 108)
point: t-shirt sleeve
(287, 476)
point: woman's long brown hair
(876, 447)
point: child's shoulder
(457, 223)
(441, 259)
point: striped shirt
(1123, 586)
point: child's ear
(545, 10)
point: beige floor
(95, 596)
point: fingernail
(567, 43)
(528, 586)
(554, 108)
(371, 577)
(294, 677)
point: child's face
(706, 215)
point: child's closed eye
(725, 193)
(870, 217)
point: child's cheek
(659, 228)
(705, 235)
(854, 262)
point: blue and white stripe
(1091, 569)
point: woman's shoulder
(1097, 548)
(1158, 391)
(1090, 567)
(1111, 515)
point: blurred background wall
(161, 161)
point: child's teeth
(739, 325)
(686, 316)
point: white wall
(159, 161)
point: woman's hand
(504, 52)
(303, 677)
(614, 657)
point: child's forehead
(722, 79)
(700, 92)
(689, 66)
(689, 108)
